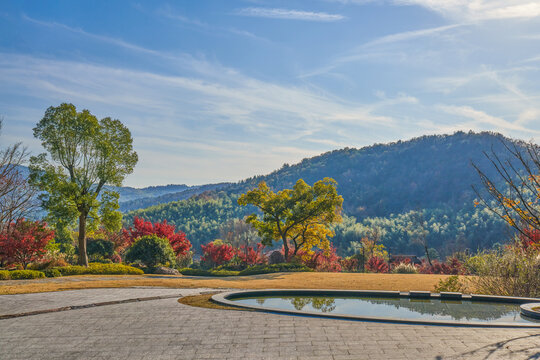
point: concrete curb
(77, 307)
(225, 299)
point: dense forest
(382, 186)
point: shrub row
(201, 272)
(253, 270)
(99, 269)
(20, 274)
(267, 269)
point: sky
(216, 90)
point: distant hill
(382, 181)
(150, 198)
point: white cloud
(474, 10)
(483, 118)
(289, 14)
(183, 115)
(411, 35)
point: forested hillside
(381, 185)
(151, 198)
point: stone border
(528, 310)
(77, 307)
(226, 297)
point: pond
(393, 307)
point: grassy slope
(401, 282)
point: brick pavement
(165, 329)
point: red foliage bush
(116, 258)
(530, 238)
(24, 241)
(377, 265)
(217, 254)
(320, 261)
(178, 240)
(250, 255)
(455, 267)
(350, 264)
(452, 267)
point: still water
(402, 308)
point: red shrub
(377, 265)
(350, 264)
(530, 238)
(178, 240)
(455, 267)
(319, 261)
(217, 254)
(24, 241)
(251, 256)
(116, 258)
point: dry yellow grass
(204, 301)
(315, 280)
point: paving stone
(165, 329)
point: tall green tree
(299, 216)
(84, 155)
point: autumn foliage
(250, 255)
(23, 242)
(377, 265)
(140, 228)
(217, 253)
(530, 238)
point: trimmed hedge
(4, 275)
(52, 273)
(26, 274)
(200, 272)
(99, 269)
(268, 269)
(253, 270)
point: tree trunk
(286, 248)
(427, 254)
(83, 258)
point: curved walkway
(165, 329)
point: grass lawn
(307, 280)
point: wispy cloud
(410, 35)
(482, 117)
(107, 39)
(378, 48)
(233, 106)
(289, 14)
(474, 10)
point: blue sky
(223, 90)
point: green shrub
(201, 272)
(151, 251)
(194, 272)
(4, 275)
(100, 249)
(72, 270)
(267, 269)
(403, 268)
(99, 269)
(184, 261)
(224, 273)
(450, 284)
(26, 274)
(112, 269)
(52, 273)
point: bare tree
(17, 197)
(515, 198)
(418, 232)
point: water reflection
(429, 309)
(323, 304)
